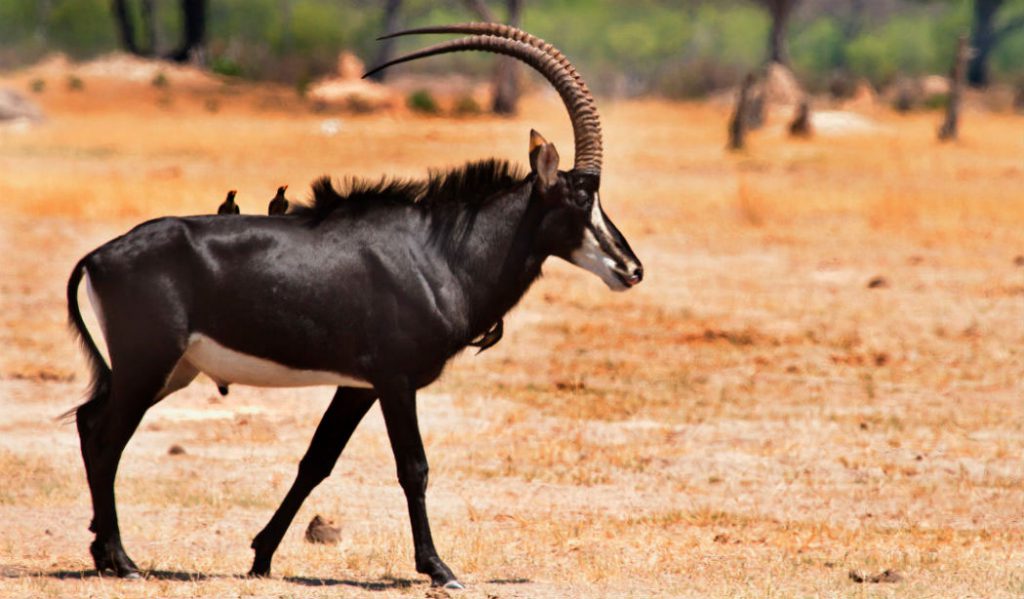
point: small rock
(321, 531)
(176, 450)
(1019, 260)
(888, 576)
(878, 283)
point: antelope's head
(575, 226)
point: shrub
(466, 106)
(422, 101)
(223, 65)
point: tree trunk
(481, 10)
(125, 27)
(194, 18)
(801, 125)
(149, 22)
(780, 11)
(738, 122)
(983, 39)
(387, 47)
(506, 73)
(949, 129)
(287, 37)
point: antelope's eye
(582, 199)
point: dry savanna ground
(755, 419)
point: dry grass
(753, 420)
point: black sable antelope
(371, 290)
(229, 206)
(278, 205)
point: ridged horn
(499, 30)
(553, 65)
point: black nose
(636, 276)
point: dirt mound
(349, 90)
(364, 96)
(120, 66)
(127, 67)
(16, 107)
(864, 97)
(779, 86)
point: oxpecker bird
(229, 206)
(279, 205)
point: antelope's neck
(496, 259)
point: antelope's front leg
(398, 403)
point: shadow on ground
(387, 583)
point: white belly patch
(227, 366)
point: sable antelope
(229, 206)
(278, 205)
(383, 283)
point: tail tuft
(99, 386)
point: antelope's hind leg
(141, 376)
(332, 434)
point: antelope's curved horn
(499, 30)
(555, 68)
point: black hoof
(440, 574)
(256, 572)
(110, 558)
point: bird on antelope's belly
(229, 206)
(279, 205)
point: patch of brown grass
(754, 420)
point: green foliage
(818, 48)
(160, 81)
(936, 102)
(37, 86)
(903, 44)
(466, 106)
(223, 65)
(81, 27)
(423, 102)
(75, 83)
(677, 47)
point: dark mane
(472, 184)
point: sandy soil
(756, 419)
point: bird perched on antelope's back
(279, 205)
(229, 206)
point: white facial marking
(591, 256)
(226, 366)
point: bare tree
(780, 12)
(801, 124)
(506, 76)
(949, 129)
(149, 25)
(738, 121)
(126, 28)
(387, 47)
(986, 35)
(194, 13)
(193, 45)
(506, 70)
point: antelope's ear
(543, 159)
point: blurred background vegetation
(678, 48)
